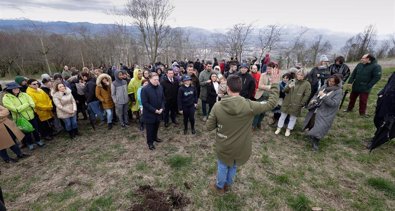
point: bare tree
(236, 38)
(360, 44)
(150, 16)
(269, 37)
(319, 46)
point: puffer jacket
(119, 90)
(104, 93)
(365, 76)
(65, 104)
(43, 103)
(296, 97)
(22, 104)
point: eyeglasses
(34, 84)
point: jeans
(291, 123)
(122, 113)
(225, 174)
(70, 123)
(363, 101)
(204, 108)
(95, 110)
(109, 115)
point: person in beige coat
(66, 108)
(9, 133)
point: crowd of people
(234, 97)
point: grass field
(114, 170)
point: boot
(193, 131)
(277, 131)
(76, 132)
(71, 134)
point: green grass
(179, 161)
(384, 185)
(228, 202)
(299, 203)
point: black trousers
(45, 128)
(170, 108)
(2, 206)
(35, 133)
(152, 132)
(189, 115)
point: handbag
(23, 124)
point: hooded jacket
(43, 103)
(90, 90)
(232, 117)
(365, 76)
(119, 90)
(65, 104)
(22, 104)
(133, 86)
(296, 97)
(104, 93)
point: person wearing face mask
(298, 92)
(66, 108)
(103, 94)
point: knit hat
(19, 79)
(45, 76)
(324, 58)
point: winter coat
(296, 97)
(212, 94)
(318, 75)
(43, 104)
(90, 90)
(6, 140)
(104, 93)
(232, 118)
(248, 86)
(204, 76)
(65, 104)
(119, 90)
(386, 99)
(152, 98)
(187, 97)
(263, 86)
(170, 90)
(365, 76)
(133, 86)
(340, 69)
(22, 104)
(326, 113)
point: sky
(350, 16)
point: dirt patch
(158, 200)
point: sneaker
(347, 110)
(40, 143)
(277, 131)
(123, 125)
(204, 119)
(193, 131)
(31, 146)
(151, 147)
(158, 140)
(288, 132)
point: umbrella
(344, 97)
(384, 133)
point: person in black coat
(187, 102)
(385, 102)
(94, 106)
(212, 92)
(153, 102)
(248, 82)
(170, 89)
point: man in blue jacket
(153, 102)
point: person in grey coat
(119, 94)
(322, 110)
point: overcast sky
(336, 15)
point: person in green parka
(297, 94)
(231, 118)
(365, 75)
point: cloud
(80, 5)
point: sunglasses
(34, 84)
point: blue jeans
(225, 174)
(95, 110)
(109, 115)
(70, 123)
